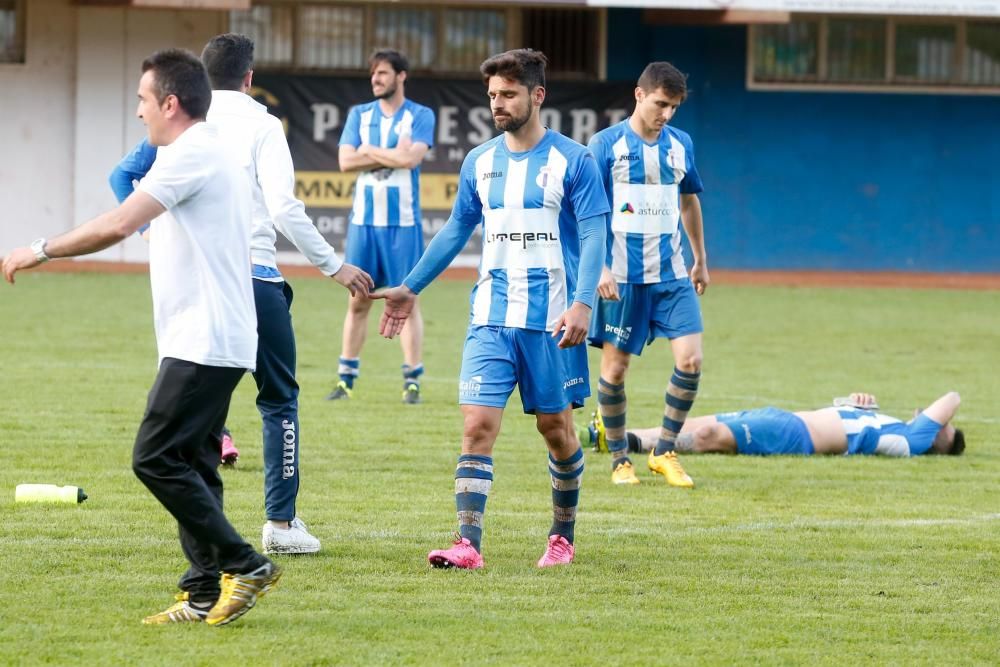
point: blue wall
(847, 181)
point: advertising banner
(314, 109)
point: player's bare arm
(399, 302)
(573, 325)
(357, 281)
(692, 220)
(97, 234)
(943, 409)
(406, 155)
(607, 286)
(352, 159)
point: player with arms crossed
(206, 328)
(540, 200)
(645, 293)
(384, 141)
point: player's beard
(386, 94)
(510, 122)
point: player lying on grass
(854, 428)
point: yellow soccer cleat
(597, 433)
(240, 593)
(669, 466)
(624, 473)
(179, 612)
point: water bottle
(48, 493)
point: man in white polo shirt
(205, 324)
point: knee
(477, 430)
(359, 307)
(614, 371)
(553, 429)
(689, 362)
(712, 438)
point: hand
(699, 277)
(607, 286)
(863, 400)
(399, 303)
(17, 260)
(574, 324)
(404, 142)
(354, 279)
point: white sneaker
(293, 540)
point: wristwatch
(38, 247)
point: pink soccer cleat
(559, 552)
(229, 452)
(461, 554)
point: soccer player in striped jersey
(645, 291)
(857, 428)
(539, 198)
(384, 141)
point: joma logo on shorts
(572, 383)
(622, 332)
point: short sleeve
(174, 177)
(351, 136)
(691, 183)
(587, 193)
(920, 433)
(423, 127)
(468, 209)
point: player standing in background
(384, 140)
(645, 292)
(539, 197)
(203, 314)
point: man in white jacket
(257, 141)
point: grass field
(775, 561)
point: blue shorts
(767, 431)
(386, 253)
(548, 379)
(644, 312)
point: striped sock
(473, 479)
(566, 477)
(411, 375)
(349, 369)
(680, 396)
(611, 402)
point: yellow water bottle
(48, 493)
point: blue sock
(411, 375)
(473, 480)
(566, 477)
(611, 402)
(681, 392)
(349, 369)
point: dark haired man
(539, 198)
(384, 141)
(199, 264)
(851, 426)
(257, 141)
(645, 292)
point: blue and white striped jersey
(530, 204)
(870, 432)
(387, 197)
(643, 183)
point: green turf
(779, 561)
